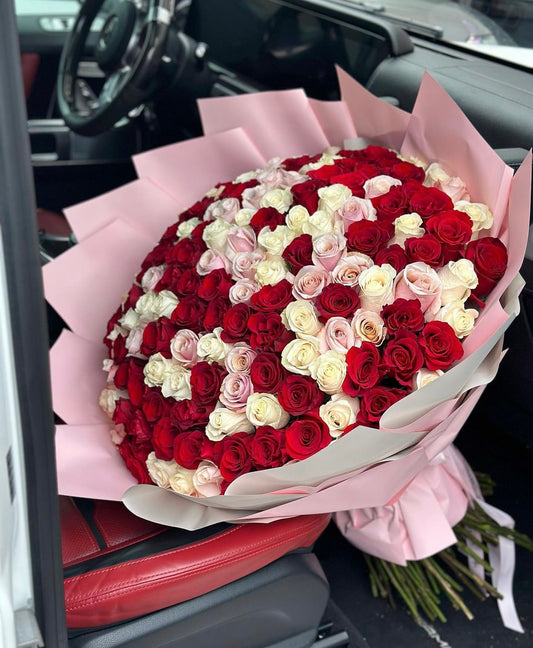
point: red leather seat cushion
(109, 594)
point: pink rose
(420, 281)
(152, 277)
(336, 335)
(211, 260)
(251, 197)
(234, 391)
(134, 340)
(379, 185)
(350, 267)
(240, 357)
(355, 209)
(242, 291)
(207, 479)
(240, 239)
(274, 177)
(183, 347)
(243, 264)
(225, 209)
(327, 250)
(310, 281)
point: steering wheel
(129, 49)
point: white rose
(407, 226)
(461, 319)
(145, 307)
(318, 224)
(275, 241)
(108, 399)
(329, 371)
(264, 409)
(177, 383)
(333, 197)
(211, 347)
(130, 319)
(379, 185)
(152, 277)
(215, 192)
(160, 471)
(182, 482)
(246, 176)
(223, 422)
(300, 317)
(164, 303)
(349, 268)
(457, 278)
(280, 199)
(270, 271)
(215, 234)
(156, 369)
(375, 286)
(186, 228)
(244, 216)
(338, 413)
(480, 215)
(298, 355)
(295, 219)
(424, 376)
(368, 326)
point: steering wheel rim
(128, 86)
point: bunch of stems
(423, 584)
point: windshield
(501, 28)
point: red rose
(391, 205)
(136, 387)
(428, 201)
(300, 395)
(379, 155)
(154, 405)
(306, 194)
(139, 428)
(118, 349)
(306, 436)
(189, 313)
(489, 256)
(156, 257)
(188, 449)
(272, 298)
(337, 300)
(266, 217)
(394, 255)
(157, 336)
(452, 228)
(402, 357)
(133, 295)
(187, 415)
(325, 172)
(163, 438)
(406, 171)
(236, 459)
(206, 379)
(268, 448)
(214, 314)
(235, 189)
(267, 373)
(440, 346)
(198, 231)
(375, 402)
(268, 332)
(135, 460)
(362, 369)
(124, 411)
(235, 323)
(216, 284)
(353, 180)
(426, 248)
(196, 211)
(403, 313)
(367, 237)
(186, 252)
(185, 283)
(211, 450)
(296, 163)
(298, 252)
(123, 369)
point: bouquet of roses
(307, 337)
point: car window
(500, 28)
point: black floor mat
(493, 442)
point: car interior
(106, 79)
